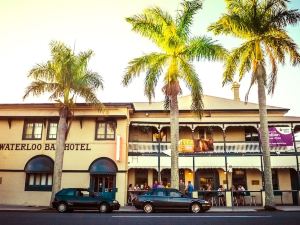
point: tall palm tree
(66, 77)
(261, 25)
(174, 61)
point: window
(52, 130)
(175, 194)
(38, 182)
(251, 134)
(39, 171)
(32, 130)
(105, 130)
(159, 193)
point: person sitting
(160, 185)
(241, 194)
(221, 196)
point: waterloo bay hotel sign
(46, 146)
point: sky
(28, 26)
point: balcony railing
(231, 147)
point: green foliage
(178, 50)
(261, 24)
(65, 77)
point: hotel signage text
(38, 147)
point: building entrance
(103, 183)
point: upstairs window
(32, 130)
(105, 130)
(52, 130)
(251, 134)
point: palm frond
(147, 27)
(273, 75)
(185, 17)
(37, 88)
(192, 81)
(204, 47)
(140, 64)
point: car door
(177, 200)
(85, 200)
(160, 199)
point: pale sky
(28, 26)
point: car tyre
(104, 208)
(62, 207)
(148, 208)
(196, 207)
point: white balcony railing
(231, 147)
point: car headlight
(115, 202)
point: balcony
(232, 147)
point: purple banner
(280, 136)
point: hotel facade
(129, 143)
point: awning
(103, 166)
(39, 164)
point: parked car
(69, 199)
(171, 199)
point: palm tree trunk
(264, 134)
(174, 140)
(59, 153)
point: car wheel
(62, 207)
(148, 208)
(195, 207)
(103, 208)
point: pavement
(132, 209)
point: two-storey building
(129, 143)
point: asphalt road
(95, 218)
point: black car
(69, 199)
(168, 198)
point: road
(95, 218)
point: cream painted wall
(253, 174)
(12, 191)
(222, 178)
(76, 180)
(121, 184)
(235, 134)
(284, 180)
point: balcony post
(194, 174)
(158, 163)
(297, 162)
(226, 164)
(261, 163)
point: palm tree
(261, 24)
(174, 61)
(66, 77)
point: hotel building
(108, 150)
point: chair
(234, 198)
(278, 193)
(252, 198)
(221, 200)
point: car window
(174, 194)
(159, 193)
(85, 193)
(67, 192)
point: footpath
(132, 209)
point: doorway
(103, 183)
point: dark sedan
(69, 199)
(168, 198)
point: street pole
(158, 163)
